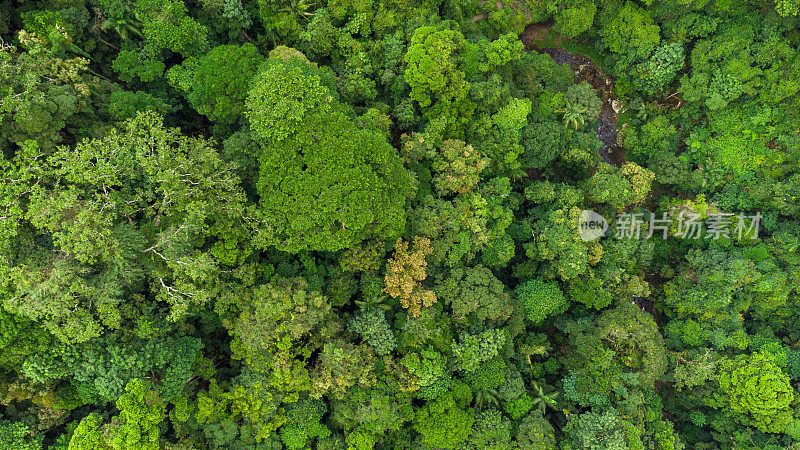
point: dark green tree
(217, 83)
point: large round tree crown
(324, 183)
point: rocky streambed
(586, 70)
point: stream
(586, 70)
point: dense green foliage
(354, 225)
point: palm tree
(574, 114)
(541, 400)
(123, 27)
(299, 9)
(380, 302)
(483, 397)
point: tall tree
(324, 183)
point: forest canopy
(399, 224)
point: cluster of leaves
(405, 271)
(343, 224)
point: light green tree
(324, 184)
(541, 299)
(444, 422)
(757, 391)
